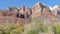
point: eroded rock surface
(25, 15)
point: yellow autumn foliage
(11, 29)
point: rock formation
(24, 14)
(37, 9)
(47, 13)
(14, 15)
(56, 10)
(42, 10)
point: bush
(56, 29)
(35, 27)
(39, 25)
(11, 29)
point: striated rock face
(37, 9)
(1, 11)
(47, 13)
(24, 14)
(15, 15)
(56, 10)
(41, 10)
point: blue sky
(29, 3)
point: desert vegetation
(9, 28)
(36, 27)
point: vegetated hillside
(39, 19)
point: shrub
(56, 29)
(39, 25)
(11, 29)
(35, 27)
